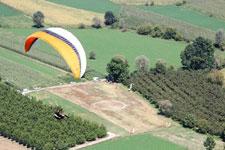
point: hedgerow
(32, 123)
(196, 102)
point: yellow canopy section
(65, 50)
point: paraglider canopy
(66, 44)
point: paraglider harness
(60, 115)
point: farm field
(17, 69)
(76, 110)
(100, 6)
(12, 18)
(114, 42)
(188, 15)
(136, 142)
(114, 103)
(59, 15)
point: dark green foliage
(220, 39)
(144, 30)
(38, 19)
(117, 69)
(31, 123)
(209, 143)
(92, 55)
(196, 102)
(160, 67)
(199, 55)
(170, 34)
(109, 18)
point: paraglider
(66, 44)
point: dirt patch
(55, 14)
(7, 144)
(114, 103)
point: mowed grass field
(188, 15)
(71, 108)
(136, 142)
(107, 43)
(27, 73)
(142, 2)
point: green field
(71, 108)
(12, 18)
(136, 142)
(187, 15)
(107, 43)
(100, 6)
(26, 73)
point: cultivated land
(59, 15)
(188, 15)
(113, 42)
(113, 103)
(137, 142)
(18, 69)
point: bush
(189, 121)
(142, 63)
(165, 107)
(96, 23)
(38, 19)
(160, 67)
(170, 34)
(156, 32)
(144, 30)
(216, 77)
(209, 143)
(101, 131)
(81, 26)
(219, 39)
(92, 55)
(109, 18)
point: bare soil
(114, 103)
(7, 144)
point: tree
(160, 67)
(38, 19)
(209, 143)
(198, 55)
(96, 23)
(109, 18)
(142, 63)
(144, 30)
(117, 69)
(219, 38)
(169, 34)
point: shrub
(96, 23)
(142, 63)
(144, 30)
(117, 69)
(170, 34)
(92, 55)
(165, 107)
(219, 39)
(160, 67)
(156, 32)
(38, 19)
(209, 143)
(189, 121)
(216, 77)
(152, 3)
(81, 26)
(101, 131)
(109, 18)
